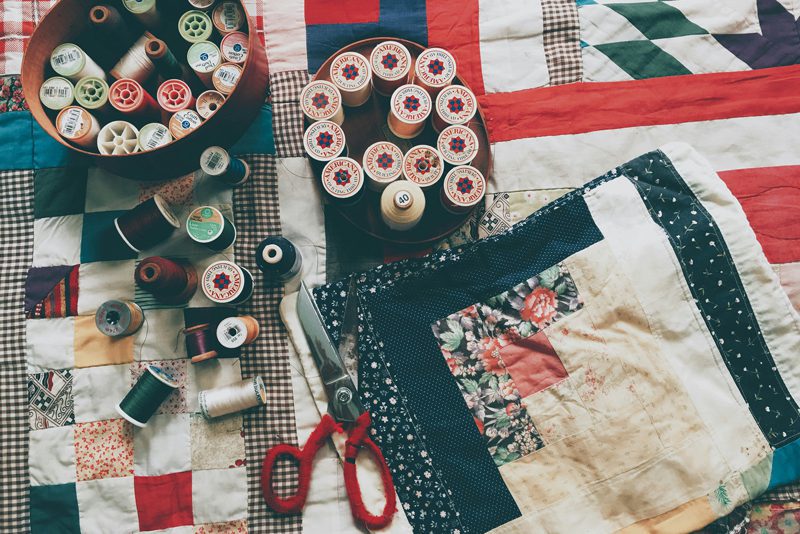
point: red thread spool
(200, 343)
(169, 281)
(128, 96)
(148, 224)
(174, 96)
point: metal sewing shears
(345, 410)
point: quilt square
(57, 240)
(103, 449)
(105, 280)
(97, 390)
(101, 241)
(51, 292)
(217, 443)
(163, 446)
(230, 527)
(175, 403)
(49, 344)
(59, 191)
(118, 506)
(165, 501)
(533, 363)
(51, 456)
(160, 337)
(50, 401)
(54, 509)
(108, 192)
(93, 348)
(208, 485)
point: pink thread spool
(128, 97)
(174, 96)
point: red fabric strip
(456, 27)
(342, 11)
(72, 281)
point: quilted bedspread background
(569, 88)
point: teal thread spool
(144, 399)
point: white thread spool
(57, 93)
(391, 65)
(70, 61)
(455, 105)
(402, 205)
(144, 10)
(203, 58)
(423, 166)
(135, 64)
(78, 125)
(118, 137)
(351, 74)
(458, 145)
(225, 77)
(153, 135)
(434, 70)
(233, 398)
(320, 100)
(383, 164)
(464, 187)
(409, 107)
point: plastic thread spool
(174, 95)
(351, 74)
(201, 4)
(279, 258)
(402, 205)
(234, 47)
(135, 64)
(224, 282)
(118, 137)
(320, 100)
(144, 10)
(127, 96)
(233, 398)
(208, 103)
(78, 125)
(163, 59)
(228, 17)
(209, 227)
(183, 123)
(458, 145)
(235, 332)
(118, 318)
(464, 187)
(323, 141)
(215, 161)
(92, 93)
(455, 104)
(383, 164)
(203, 58)
(148, 224)
(195, 26)
(225, 77)
(423, 166)
(56, 93)
(70, 61)
(144, 399)
(153, 135)
(391, 64)
(343, 181)
(434, 70)
(408, 109)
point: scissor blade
(343, 400)
(348, 340)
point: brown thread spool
(78, 126)
(169, 281)
(234, 332)
(148, 224)
(200, 343)
(409, 107)
(423, 166)
(434, 70)
(208, 103)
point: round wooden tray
(366, 124)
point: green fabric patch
(100, 240)
(54, 509)
(658, 20)
(59, 191)
(756, 478)
(643, 59)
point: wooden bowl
(65, 22)
(366, 124)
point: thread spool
(183, 123)
(343, 181)
(383, 164)
(146, 11)
(225, 77)
(164, 61)
(279, 258)
(208, 103)
(391, 65)
(195, 26)
(129, 98)
(153, 135)
(434, 70)
(174, 95)
(118, 318)
(402, 205)
(209, 227)
(56, 93)
(455, 104)
(92, 93)
(111, 27)
(320, 100)
(201, 4)
(70, 61)
(78, 126)
(146, 396)
(118, 137)
(233, 398)
(148, 224)
(458, 145)
(423, 166)
(228, 17)
(215, 161)
(464, 187)
(135, 64)
(224, 282)
(172, 282)
(234, 47)
(200, 343)
(203, 58)
(235, 332)
(351, 74)
(409, 107)
(323, 141)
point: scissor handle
(359, 439)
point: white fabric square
(50, 343)
(57, 240)
(601, 24)
(598, 68)
(208, 375)
(104, 280)
(163, 446)
(160, 338)
(284, 33)
(701, 54)
(98, 390)
(725, 16)
(211, 192)
(209, 485)
(51, 456)
(108, 192)
(107, 505)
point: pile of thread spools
(145, 74)
(417, 91)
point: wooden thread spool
(391, 65)
(464, 187)
(351, 74)
(458, 145)
(235, 332)
(118, 318)
(402, 205)
(320, 100)
(434, 70)
(423, 166)
(203, 58)
(135, 64)
(200, 343)
(70, 61)
(56, 93)
(147, 225)
(225, 77)
(207, 226)
(78, 126)
(169, 281)
(409, 107)
(383, 164)
(208, 103)
(153, 135)
(234, 47)
(228, 17)
(129, 97)
(343, 181)
(118, 137)
(455, 104)
(224, 282)
(184, 122)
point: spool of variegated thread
(200, 343)
(216, 162)
(165, 62)
(279, 258)
(129, 97)
(235, 332)
(148, 224)
(234, 398)
(111, 28)
(135, 64)
(119, 318)
(169, 281)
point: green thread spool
(92, 93)
(195, 26)
(144, 399)
(165, 61)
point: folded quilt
(620, 360)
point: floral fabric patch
(11, 97)
(104, 449)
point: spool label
(320, 100)
(208, 103)
(203, 57)
(226, 77)
(234, 47)
(67, 59)
(228, 17)
(205, 224)
(390, 60)
(464, 186)
(214, 160)
(153, 135)
(324, 140)
(456, 104)
(56, 93)
(223, 281)
(350, 71)
(436, 67)
(458, 145)
(411, 103)
(232, 332)
(342, 178)
(183, 122)
(74, 122)
(422, 165)
(383, 161)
